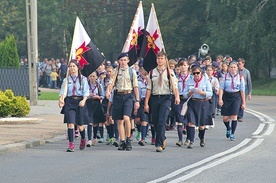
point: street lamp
(203, 50)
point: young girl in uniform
(75, 110)
(215, 87)
(109, 122)
(231, 98)
(96, 114)
(182, 78)
(221, 74)
(142, 118)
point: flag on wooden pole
(135, 35)
(84, 50)
(152, 43)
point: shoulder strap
(168, 76)
(130, 74)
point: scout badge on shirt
(185, 106)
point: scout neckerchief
(74, 85)
(197, 82)
(233, 77)
(183, 80)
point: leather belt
(160, 95)
(232, 92)
(200, 100)
(92, 99)
(123, 92)
(76, 97)
(181, 97)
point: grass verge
(48, 96)
(264, 87)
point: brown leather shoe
(159, 149)
(240, 120)
(164, 145)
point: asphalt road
(248, 159)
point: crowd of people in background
(52, 73)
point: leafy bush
(4, 105)
(15, 106)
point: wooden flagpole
(67, 72)
(163, 47)
(127, 43)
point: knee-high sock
(111, 130)
(95, 130)
(201, 133)
(234, 126)
(89, 132)
(70, 133)
(152, 131)
(191, 133)
(82, 133)
(101, 131)
(108, 130)
(227, 124)
(179, 132)
(144, 132)
(138, 127)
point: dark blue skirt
(95, 111)
(197, 112)
(75, 114)
(231, 103)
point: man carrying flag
(161, 79)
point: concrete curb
(28, 144)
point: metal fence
(15, 79)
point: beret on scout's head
(123, 54)
(227, 56)
(215, 64)
(198, 59)
(195, 65)
(233, 62)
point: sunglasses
(196, 73)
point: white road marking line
(179, 171)
(259, 130)
(270, 129)
(264, 115)
(220, 161)
(261, 116)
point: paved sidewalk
(42, 124)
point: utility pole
(31, 14)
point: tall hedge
(9, 57)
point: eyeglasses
(196, 73)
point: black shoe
(128, 144)
(122, 146)
(115, 143)
(202, 142)
(141, 143)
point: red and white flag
(135, 35)
(84, 50)
(152, 43)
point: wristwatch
(137, 100)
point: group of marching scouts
(120, 98)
